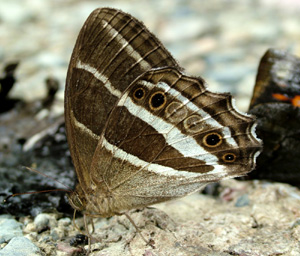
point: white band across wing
(191, 106)
(134, 160)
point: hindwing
(169, 136)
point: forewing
(112, 50)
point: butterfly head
(93, 202)
(76, 200)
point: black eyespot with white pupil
(139, 94)
(229, 157)
(157, 100)
(212, 140)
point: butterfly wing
(112, 49)
(169, 136)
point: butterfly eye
(157, 100)
(139, 94)
(229, 157)
(212, 140)
(75, 201)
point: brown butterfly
(140, 131)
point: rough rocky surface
(220, 40)
(267, 223)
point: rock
(20, 246)
(9, 228)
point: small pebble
(44, 221)
(242, 201)
(64, 221)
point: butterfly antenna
(42, 191)
(49, 177)
(34, 192)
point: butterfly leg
(88, 233)
(93, 226)
(86, 228)
(74, 223)
(148, 242)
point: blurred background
(219, 40)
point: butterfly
(140, 130)
(276, 104)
